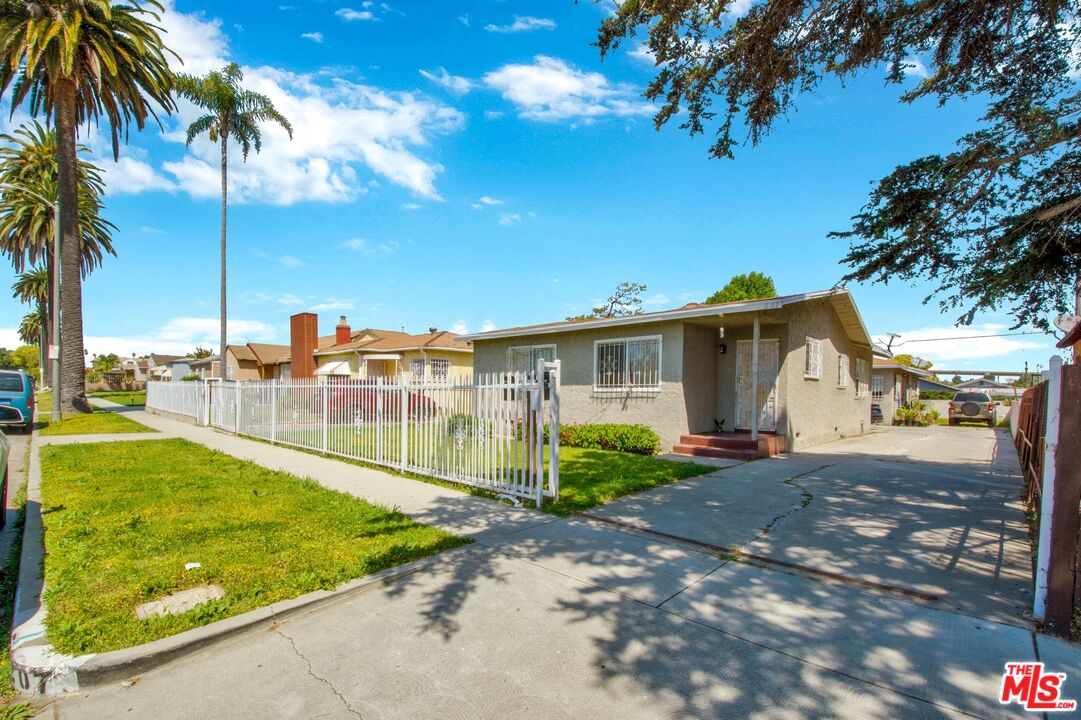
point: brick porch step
(715, 452)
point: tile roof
(374, 340)
(267, 354)
(1073, 337)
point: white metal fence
(489, 431)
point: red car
(346, 400)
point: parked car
(346, 400)
(972, 407)
(16, 400)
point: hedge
(637, 439)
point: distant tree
(7, 362)
(199, 353)
(25, 358)
(910, 361)
(626, 300)
(994, 224)
(104, 363)
(955, 380)
(749, 286)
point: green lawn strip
(587, 478)
(95, 423)
(132, 398)
(122, 519)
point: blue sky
(471, 165)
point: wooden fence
(1048, 443)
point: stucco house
(435, 355)
(207, 368)
(893, 385)
(1072, 340)
(256, 361)
(691, 372)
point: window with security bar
(633, 363)
(524, 359)
(416, 368)
(440, 369)
(878, 387)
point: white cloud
(179, 336)
(363, 247)
(739, 8)
(356, 245)
(486, 200)
(9, 338)
(509, 218)
(411, 206)
(642, 52)
(128, 175)
(290, 261)
(333, 304)
(657, 300)
(942, 349)
(492, 114)
(355, 15)
(914, 67)
(552, 90)
(341, 126)
(464, 20)
(151, 230)
(290, 300)
(454, 83)
(315, 37)
(459, 328)
(487, 326)
(523, 24)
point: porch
(732, 445)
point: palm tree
(33, 288)
(232, 112)
(75, 61)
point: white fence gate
(498, 431)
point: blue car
(16, 400)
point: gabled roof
(840, 298)
(383, 341)
(267, 354)
(156, 359)
(241, 352)
(205, 361)
(1072, 338)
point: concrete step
(715, 441)
(715, 452)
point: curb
(37, 669)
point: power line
(970, 337)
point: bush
(190, 378)
(637, 439)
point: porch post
(754, 379)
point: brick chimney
(303, 342)
(342, 333)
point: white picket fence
(487, 431)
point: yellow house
(368, 353)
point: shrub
(190, 378)
(637, 439)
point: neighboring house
(894, 385)
(255, 361)
(207, 368)
(926, 384)
(134, 369)
(688, 371)
(178, 369)
(1073, 340)
(159, 365)
(435, 355)
(985, 384)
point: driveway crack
(808, 496)
(319, 678)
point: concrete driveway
(583, 618)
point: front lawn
(122, 519)
(132, 398)
(96, 423)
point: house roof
(205, 361)
(156, 360)
(840, 298)
(241, 352)
(936, 384)
(268, 354)
(985, 384)
(1072, 338)
(383, 341)
(880, 364)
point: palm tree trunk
(224, 205)
(47, 318)
(72, 370)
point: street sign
(54, 352)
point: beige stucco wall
(665, 410)
(901, 388)
(818, 411)
(700, 357)
(726, 371)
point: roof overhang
(840, 298)
(367, 353)
(381, 356)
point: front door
(768, 357)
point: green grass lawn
(96, 423)
(133, 398)
(122, 519)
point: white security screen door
(768, 359)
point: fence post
(403, 419)
(1061, 568)
(1047, 492)
(326, 411)
(538, 430)
(553, 433)
(236, 406)
(273, 411)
